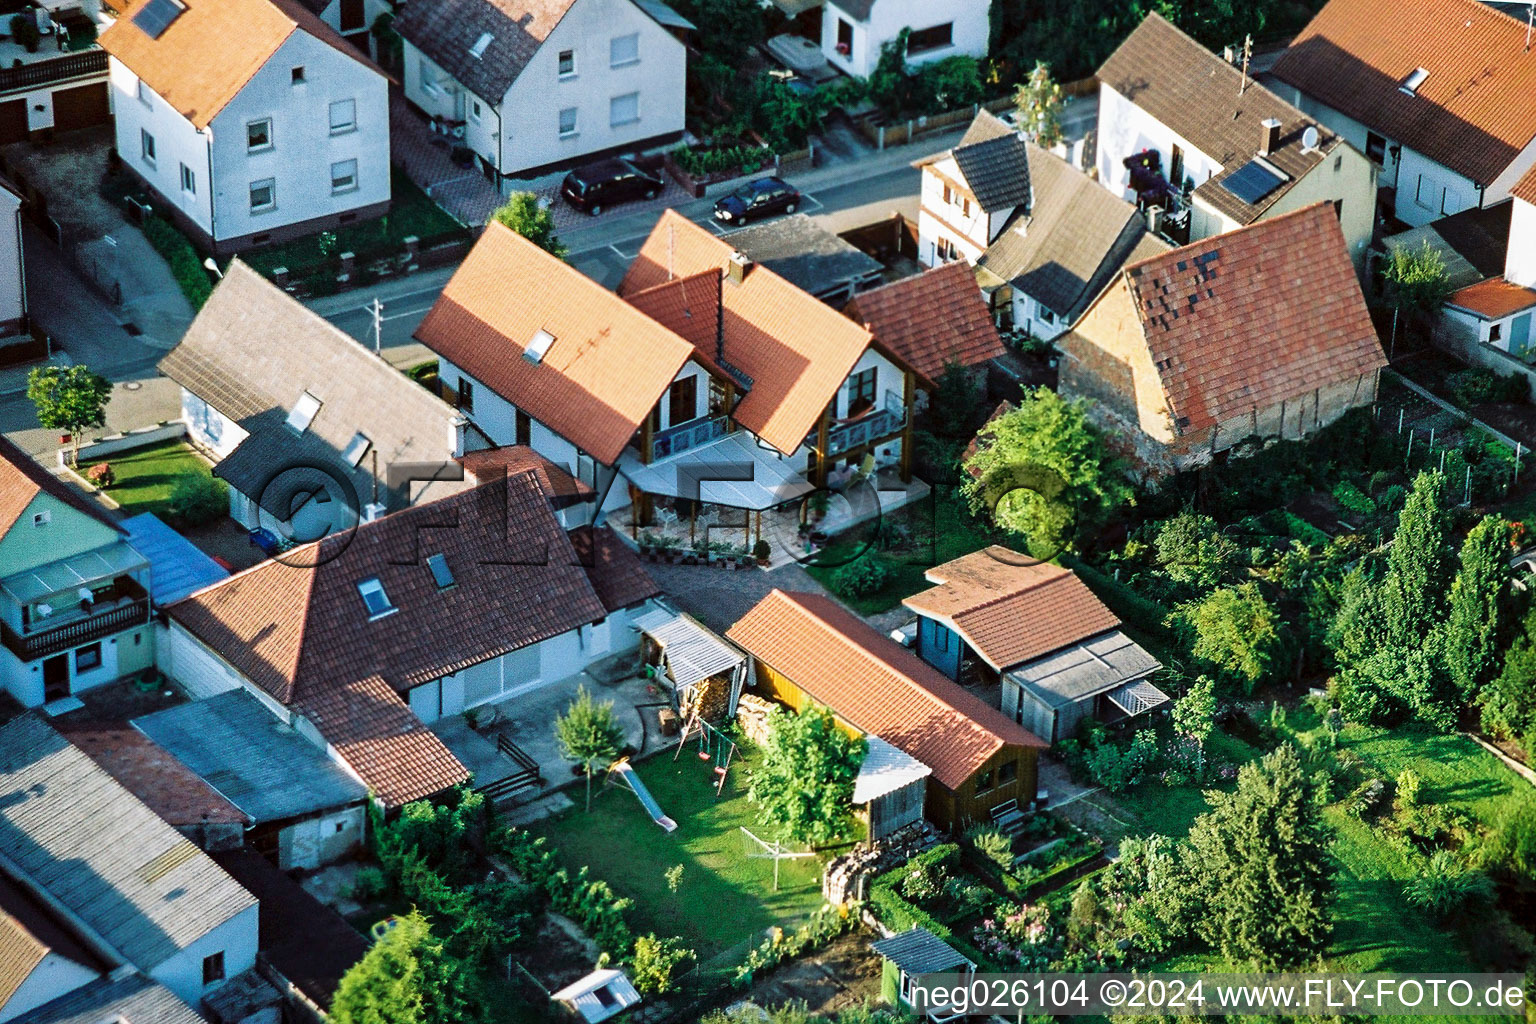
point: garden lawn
(146, 476)
(726, 897)
(941, 528)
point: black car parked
(757, 199)
(595, 187)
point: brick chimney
(739, 267)
(1269, 135)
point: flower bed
(696, 169)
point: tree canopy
(524, 213)
(69, 398)
(802, 779)
(1416, 278)
(1235, 630)
(589, 733)
(407, 978)
(1038, 102)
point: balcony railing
(55, 69)
(878, 423)
(44, 642)
(693, 434)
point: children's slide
(627, 773)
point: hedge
(1133, 608)
(185, 266)
(899, 914)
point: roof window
(156, 16)
(356, 449)
(538, 347)
(441, 574)
(303, 413)
(478, 50)
(1413, 81)
(374, 598)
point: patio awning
(885, 770)
(1138, 698)
(693, 653)
(734, 471)
(75, 571)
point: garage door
(80, 107)
(13, 121)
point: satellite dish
(1309, 138)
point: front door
(56, 678)
(1520, 335)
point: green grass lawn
(145, 476)
(941, 528)
(725, 896)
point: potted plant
(761, 551)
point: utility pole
(1242, 85)
(377, 309)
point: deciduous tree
(69, 398)
(802, 779)
(1038, 102)
(524, 213)
(407, 978)
(589, 733)
(1236, 631)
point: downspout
(21, 273)
(500, 142)
(213, 225)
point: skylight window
(157, 16)
(538, 347)
(1413, 81)
(374, 598)
(478, 50)
(441, 574)
(356, 449)
(303, 413)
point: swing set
(713, 745)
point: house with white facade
(1437, 93)
(252, 121)
(287, 404)
(364, 639)
(352, 19)
(13, 271)
(970, 193)
(1186, 134)
(1494, 314)
(59, 85)
(74, 594)
(45, 960)
(530, 86)
(136, 892)
(854, 31)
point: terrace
(73, 601)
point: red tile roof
(1525, 188)
(1473, 113)
(1248, 319)
(1494, 298)
(796, 349)
(489, 464)
(618, 577)
(151, 773)
(875, 685)
(605, 370)
(932, 320)
(304, 634)
(22, 479)
(1011, 608)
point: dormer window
(303, 413)
(356, 449)
(1413, 81)
(374, 598)
(441, 574)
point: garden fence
(1433, 429)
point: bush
(761, 550)
(655, 962)
(591, 903)
(1476, 386)
(182, 258)
(198, 498)
(370, 884)
(993, 845)
(1118, 770)
(861, 577)
(101, 475)
(24, 30)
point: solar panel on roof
(1252, 182)
(157, 16)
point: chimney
(1269, 135)
(739, 267)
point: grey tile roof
(446, 31)
(89, 843)
(253, 350)
(1077, 236)
(665, 16)
(256, 762)
(133, 999)
(996, 168)
(919, 951)
(806, 255)
(1085, 669)
(857, 8)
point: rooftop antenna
(1242, 84)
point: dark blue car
(757, 199)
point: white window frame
(147, 147)
(371, 586)
(613, 121)
(345, 186)
(144, 95)
(575, 128)
(270, 184)
(631, 58)
(562, 72)
(260, 147)
(348, 125)
(303, 412)
(188, 180)
(474, 110)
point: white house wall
(1427, 191)
(319, 840)
(530, 111)
(177, 143)
(12, 278)
(969, 37)
(183, 972)
(1520, 259)
(303, 148)
(1125, 129)
(431, 88)
(1027, 316)
(24, 679)
(209, 427)
(1511, 175)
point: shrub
(861, 577)
(1351, 499)
(370, 884)
(655, 962)
(101, 475)
(993, 845)
(761, 550)
(1408, 786)
(24, 30)
(1118, 770)
(1476, 386)
(198, 498)
(182, 258)
(1445, 888)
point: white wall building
(853, 31)
(242, 158)
(13, 277)
(531, 86)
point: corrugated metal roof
(95, 848)
(177, 567)
(885, 770)
(253, 759)
(1085, 669)
(693, 652)
(131, 1000)
(919, 951)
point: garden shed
(890, 788)
(598, 996)
(704, 672)
(912, 954)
